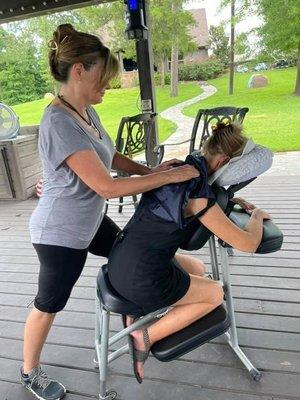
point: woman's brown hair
(69, 46)
(227, 138)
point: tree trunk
(232, 23)
(174, 72)
(120, 58)
(297, 86)
(162, 72)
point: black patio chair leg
(120, 206)
(106, 208)
(135, 200)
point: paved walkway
(184, 123)
(287, 163)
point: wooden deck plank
(288, 295)
(16, 272)
(152, 389)
(216, 378)
(83, 337)
(212, 353)
(77, 319)
(89, 281)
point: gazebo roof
(13, 10)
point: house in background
(199, 32)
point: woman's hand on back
(182, 173)
(166, 165)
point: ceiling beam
(11, 11)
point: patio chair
(205, 118)
(132, 139)
(216, 323)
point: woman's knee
(191, 264)
(202, 290)
(216, 294)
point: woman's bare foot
(139, 344)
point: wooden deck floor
(267, 297)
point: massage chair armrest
(272, 237)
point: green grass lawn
(117, 104)
(273, 119)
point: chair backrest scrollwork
(134, 134)
(207, 117)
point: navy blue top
(169, 201)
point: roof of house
(200, 30)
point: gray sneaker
(44, 388)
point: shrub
(115, 83)
(201, 71)
(157, 79)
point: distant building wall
(129, 79)
(198, 56)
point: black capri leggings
(60, 267)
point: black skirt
(142, 268)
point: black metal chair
(133, 138)
(210, 117)
(205, 118)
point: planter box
(20, 165)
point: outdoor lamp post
(135, 18)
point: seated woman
(142, 267)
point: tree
(20, 77)
(219, 43)
(169, 30)
(280, 30)
(242, 46)
(286, 15)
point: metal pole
(232, 336)
(145, 64)
(214, 258)
(232, 23)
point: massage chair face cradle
(219, 321)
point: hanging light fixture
(134, 15)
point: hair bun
(62, 32)
(221, 126)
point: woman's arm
(90, 169)
(125, 164)
(247, 239)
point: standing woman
(77, 155)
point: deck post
(145, 64)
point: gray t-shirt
(69, 213)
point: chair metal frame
(133, 137)
(102, 321)
(209, 117)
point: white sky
(214, 16)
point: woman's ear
(221, 160)
(76, 71)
